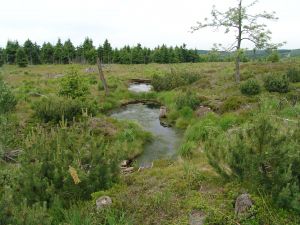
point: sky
(128, 22)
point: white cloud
(131, 21)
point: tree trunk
(237, 68)
(239, 40)
(102, 78)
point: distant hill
(284, 53)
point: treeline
(66, 53)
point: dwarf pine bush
(250, 87)
(66, 162)
(73, 85)
(262, 153)
(277, 84)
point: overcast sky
(149, 22)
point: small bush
(277, 84)
(54, 108)
(293, 75)
(73, 85)
(188, 99)
(250, 87)
(8, 101)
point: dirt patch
(101, 126)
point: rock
(124, 163)
(197, 217)
(103, 202)
(127, 170)
(202, 111)
(242, 205)
(52, 75)
(90, 70)
(164, 123)
(163, 112)
(146, 166)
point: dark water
(138, 88)
(166, 140)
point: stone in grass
(103, 202)
(243, 204)
(163, 112)
(197, 217)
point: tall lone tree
(246, 27)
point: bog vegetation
(60, 150)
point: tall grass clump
(188, 99)
(173, 80)
(294, 75)
(8, 101)
(52, 109)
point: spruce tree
(107, 52)
(1, 57)
(47, 52)
(68, 52)
(58, 52)
(21, 58)
(29, 49)
(89, 51)
(11, 51)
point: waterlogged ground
(138, 88)
(166, 140)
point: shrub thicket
(277, 84)
(294, 75)
(7, 99)
(250, 87)
(173, 80)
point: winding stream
(166, 140)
